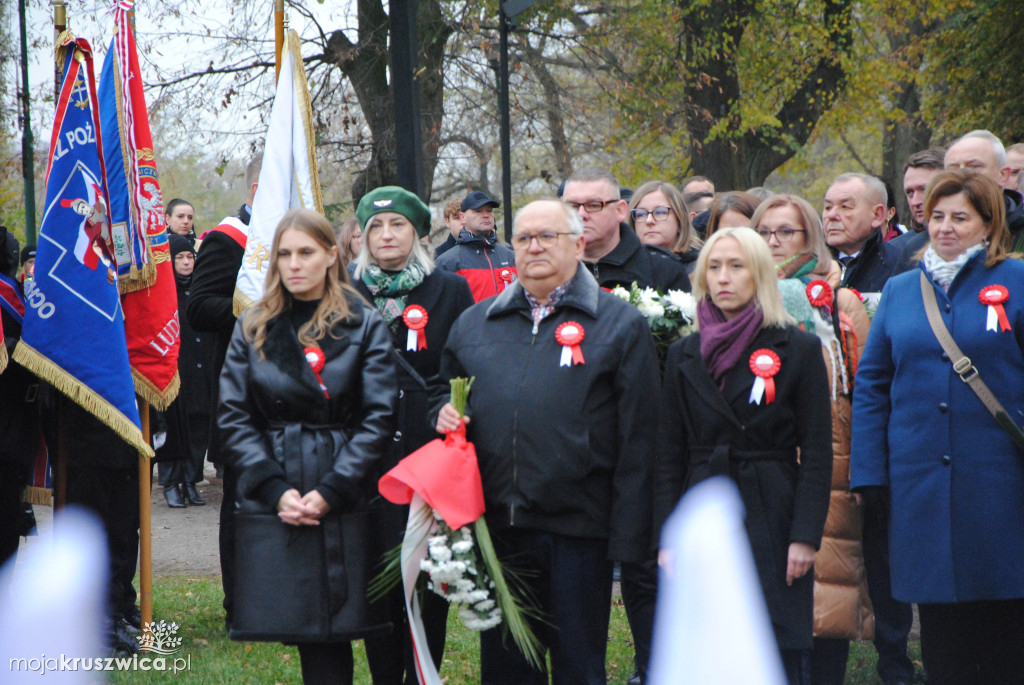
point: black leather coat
(279, 431)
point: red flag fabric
(145, 273)
(445, 474)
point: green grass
(194, 603)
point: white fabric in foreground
(711, 625)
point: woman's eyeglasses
(659, 213)
(783, 235)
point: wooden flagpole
(278, 36)
(145, 524)
(60, 466)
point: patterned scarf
(390, 290)
(943, 272)
(794, 274)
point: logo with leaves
(160, 638)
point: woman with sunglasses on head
(808, 282)
(659, 217)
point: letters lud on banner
(73, 333)
(288, 178)
(144, 270)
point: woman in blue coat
(923, 438)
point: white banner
(288, 178)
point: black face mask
(9, 252)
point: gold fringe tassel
(138, 279)
(160, 399)
(41, 496)
(240, 302)
(306, 108)
(40, 365)
(3, 356)
(66, 36)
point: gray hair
(419, 255)
(595, 173)
(573, 222)
(875, 188)
(997, 145)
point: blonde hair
(334, 305)
(809, 221)
(760, 264)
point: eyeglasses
(591, 206)
(783, 235)
(521, 241)
(659, 213)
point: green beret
(398, 200)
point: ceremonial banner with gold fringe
(73, 333)
(145, 272)
(288, 178)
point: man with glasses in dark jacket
(560, 417)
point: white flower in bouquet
(621, 293)
(650, 305)
(679, 301)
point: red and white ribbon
(316, 358)
(765, 364)
(994, 296)
(507, 275)
(415, 318)
(819, 293)
(569, 335)
(414, 549)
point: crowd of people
(854, 376)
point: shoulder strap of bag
(964, 367)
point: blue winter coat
(956, 478)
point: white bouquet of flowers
(457, 572)
(670, 315)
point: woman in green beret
(395, 272)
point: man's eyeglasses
(592, 206)
(521, 241)
(659, 213)
(783, 235)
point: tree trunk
(365, 64)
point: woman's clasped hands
(302, 510)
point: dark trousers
(639, 586)
(113, 494)
(892, 618)
(386, 668)
(572, 581)
(828, 661)
(973, 643)
(326, 663)
(226, 540)
(12, 484)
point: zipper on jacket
(515, 444)
(490, 264)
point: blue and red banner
(145, 274)
(73, 331)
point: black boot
(175, 500)
(192, 495)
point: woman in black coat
(395, 272)
(186, 422)
(307, 402)
(773, 437)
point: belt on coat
(306, 470)
(718, 457)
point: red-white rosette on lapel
(316, 358)
(415, 318)
(994, 296)
(569, 335)
(765, 364)
(819, 293)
